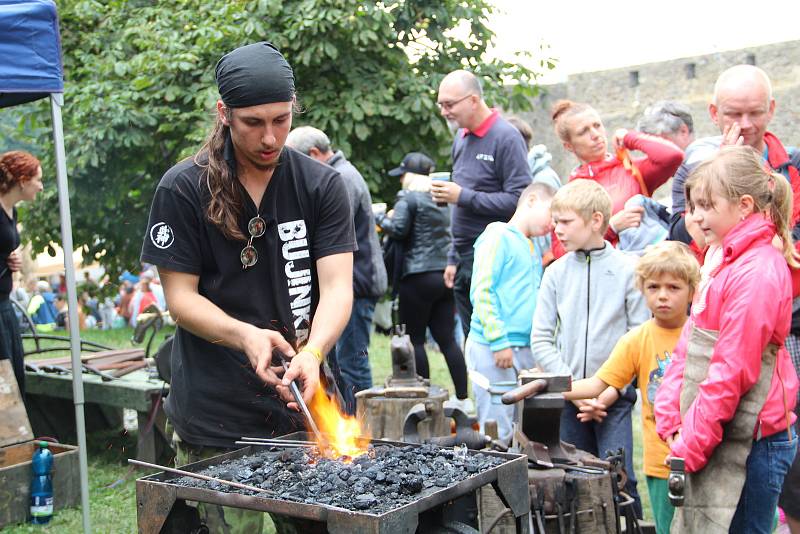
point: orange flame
(345, 434)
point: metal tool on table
(676, 483)
(298, 398)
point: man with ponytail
(254, 243)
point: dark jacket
(424, 227)
(369, 273)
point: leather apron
(712, 494)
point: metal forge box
(158, 496)
(16, 451)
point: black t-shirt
(9, 241)
(215, 396)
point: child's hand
(504, 359)
(670, 440)
(591, 410)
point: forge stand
(161, 505)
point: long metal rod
(278, 440)
(298, 398)
(56, 101)
(201, 477)
(276, 445)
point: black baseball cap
(415, 162)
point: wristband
(315, 351)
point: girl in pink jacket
(725, 405)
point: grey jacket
(369, 273)
(425, 228)
(585, 304)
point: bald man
(742, 107)
(490, 170)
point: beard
(453, 126)
(268, 165)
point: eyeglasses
(249, 255)
(449, 105)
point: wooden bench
(104, 399)
(137, 391)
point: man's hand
(627, 218)
(694, 230)
(443, 191)
(258, 345)
(449, 276)
(732, 135)
(591, 410)
(305, 367)
(14, 261)
(504, 359)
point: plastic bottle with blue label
(42, 485)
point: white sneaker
(465, 405)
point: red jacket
(749, 302)
(662, 159)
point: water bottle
(42, 485)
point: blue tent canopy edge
(30, 51)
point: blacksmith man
(254, 242)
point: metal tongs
(298, 398)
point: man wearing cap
(254, 245)
(350, 363)
(490, 170)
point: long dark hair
(226, 203)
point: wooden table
(136, 391)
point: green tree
(140, 93)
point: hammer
(676, 481)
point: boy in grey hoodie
(586, 302)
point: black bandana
(254, 74)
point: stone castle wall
(620, 101)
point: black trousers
(425, 302)
(11, 343)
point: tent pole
(56, 102)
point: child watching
(725, 403)
(667, 275)
(587, 301)
(505, 279)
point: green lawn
(112, 488)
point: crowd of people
(269, 256)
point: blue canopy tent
(30, 69)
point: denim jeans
(480, 359)
(350, 363)
(613, 433)
(767, 464)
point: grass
(112, 482)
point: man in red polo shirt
(490, 170)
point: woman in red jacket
(725, 404)
(581, 131)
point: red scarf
(777, 157)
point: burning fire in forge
(347, 438)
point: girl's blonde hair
(737, 171)
(416, 182)
(668, 257)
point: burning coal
(382, 479)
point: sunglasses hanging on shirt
(256, 228)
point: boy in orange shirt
(667, 275)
